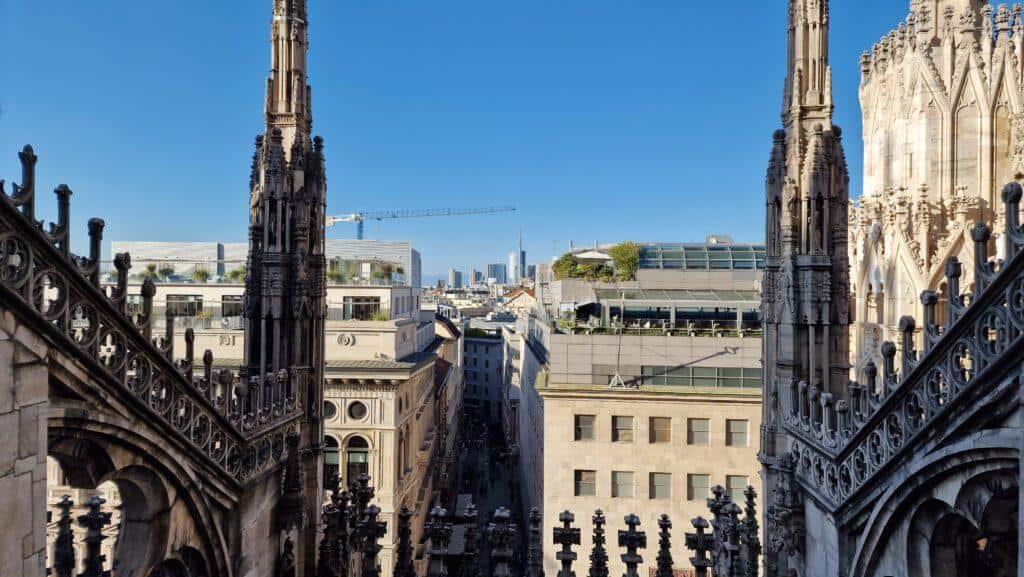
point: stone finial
(64, 546)
(664, 558)
(373, 530)
(534, 563)
(566, 536)
(403, 563)
(633, 540)
(701, 544)
(94, 520)
(598, 554)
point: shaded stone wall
(23, 405)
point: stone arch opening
(170, 568)
(953, 551)
(144, 519)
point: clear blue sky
(603, 120)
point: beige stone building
(639, 396)
(943, 132)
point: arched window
(357, 458)
(331, 460)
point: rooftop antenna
(617, 381)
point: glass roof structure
(682, 256)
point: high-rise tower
(806, 286)
(285, 299)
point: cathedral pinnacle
(288, 103)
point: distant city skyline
(422, 105)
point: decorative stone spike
(341, 503)
(60, 235)
(326, 560)
(190, 354)
(1012, 193)
(984, 271)
(598, 554)
(373, 530)
(64, 547)
(907, 328)
(954, 301)
(664, 547)
(633, 541)
(566, 536)
(24, 196)
(403, 563)
(168, 344)
(208, 369)
(751, 534)
(148, 290)
(439, 531)
(534, 563)
(470, 559)
(700, 543)
(501, 534)
(870, 378)
(888, 367)
(96, 226)
(94, 521)
(123, 264)
(929, 299)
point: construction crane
(361, 217)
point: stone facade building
(943, 132)
(914, 468)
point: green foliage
(380, 316)
(626, 256)
(474, 333)
(335, 276)
(148, 273)
(200, 275)
(236, 275)
(166, 272)
(567, 266)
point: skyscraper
(498, 272)
(454, 279)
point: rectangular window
(698, 432)
(231, 305)
(622, 484)
(622, 429)
(360, 308)
(735, 485)
(698, 487)
(661, 486)
(585, 483)
(661, 430)
(736, 433)
(584, 427)
(184, 305)
(133, 305)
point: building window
(698, 432)
(735, 485)
(357, 459)
(736, 433)
(584, 427)
(184, 305)
(622, 429)
(697, 487)
(661, 430)
(661, 486)
(330, 411)
(330, 460)
(701, 377)
(585, 483)
(231, 305)
(360, 308)
(357, 411)
(622, 484)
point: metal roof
(685, 256)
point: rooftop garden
(625, 261)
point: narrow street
(485, 475)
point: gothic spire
(288, 103)
(809, 76)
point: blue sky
(601, 120)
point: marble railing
(845, 443)
(234, 421)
